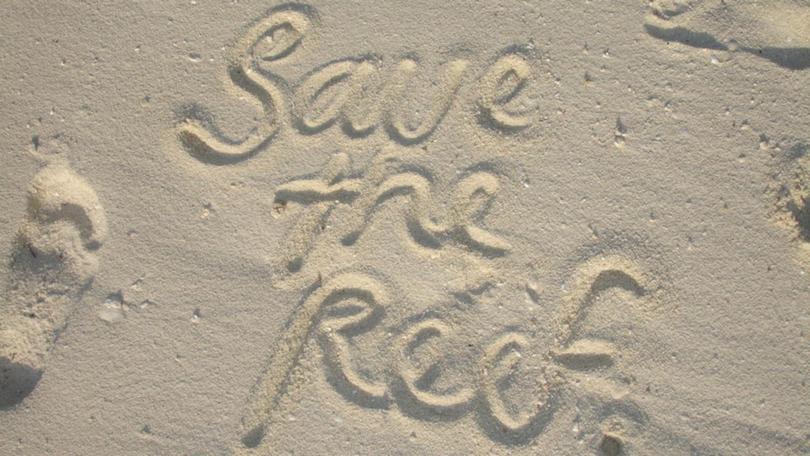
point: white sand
(405, 228)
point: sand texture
(255, 228)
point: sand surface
(372, 227)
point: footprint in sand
(791, 187)
(52, 265)
(777, 30)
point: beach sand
(405, 227)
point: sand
(405, 227)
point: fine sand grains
(405, 228)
